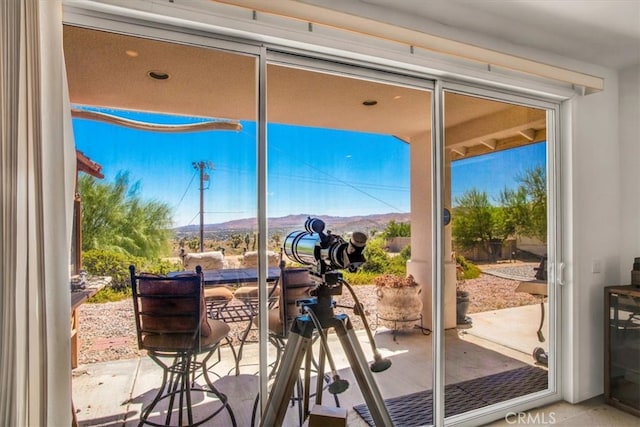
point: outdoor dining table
(237, 276)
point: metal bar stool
(173, 326)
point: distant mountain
(286, 224)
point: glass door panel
(495, 289)
(352, 154)
(166, 145)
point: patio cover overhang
(222, 85)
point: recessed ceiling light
(369, 102)
(131, 53)
(158, 75)
(397, 97)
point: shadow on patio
(112, 393)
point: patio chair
(240, 303)
(295, 284)
(173, 327)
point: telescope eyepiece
(314, 225)
(357, 242)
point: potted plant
(399, 304)
(462, 300)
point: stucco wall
(593, 235)
(629, 134)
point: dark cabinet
(622, 348)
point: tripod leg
(320, 376)
(307, 383)
(288, 374)
(363, 375)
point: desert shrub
(396, 229)
(115, 217)
(110, 294)
(100, 262)
(398, 264)
(359, 277)
(469, 269)
(405, 253)
(159, 266)
(377, 258)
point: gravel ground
(489, 292)
(107, 331)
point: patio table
(78, 296)
(237, 276)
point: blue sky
(311, 171)
(494, 171)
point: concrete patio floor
(113, 393)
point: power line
(194, 217)
(186, 190)
(348, 185)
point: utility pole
(202, 166)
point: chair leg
(178, 381)
(279, 345)
(236, 355)
(144, 415)
(186, 383)
(172, 388)
(224, 400)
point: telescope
(325, 250)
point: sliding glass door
(498, 290)
(348, 161)
(166, 142)
(436, 207)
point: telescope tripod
(320, 316)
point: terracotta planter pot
(398, 308)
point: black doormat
(416, 408)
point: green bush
(396, 229)
(359, 277)
(398, 264)
(98, 262)
(110, 294)
(469, 269)
(158, 266)
(377, 258)
(405, 253)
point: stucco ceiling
(602, 32)
(112, 70)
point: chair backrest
(168, 305)
(295, 284)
